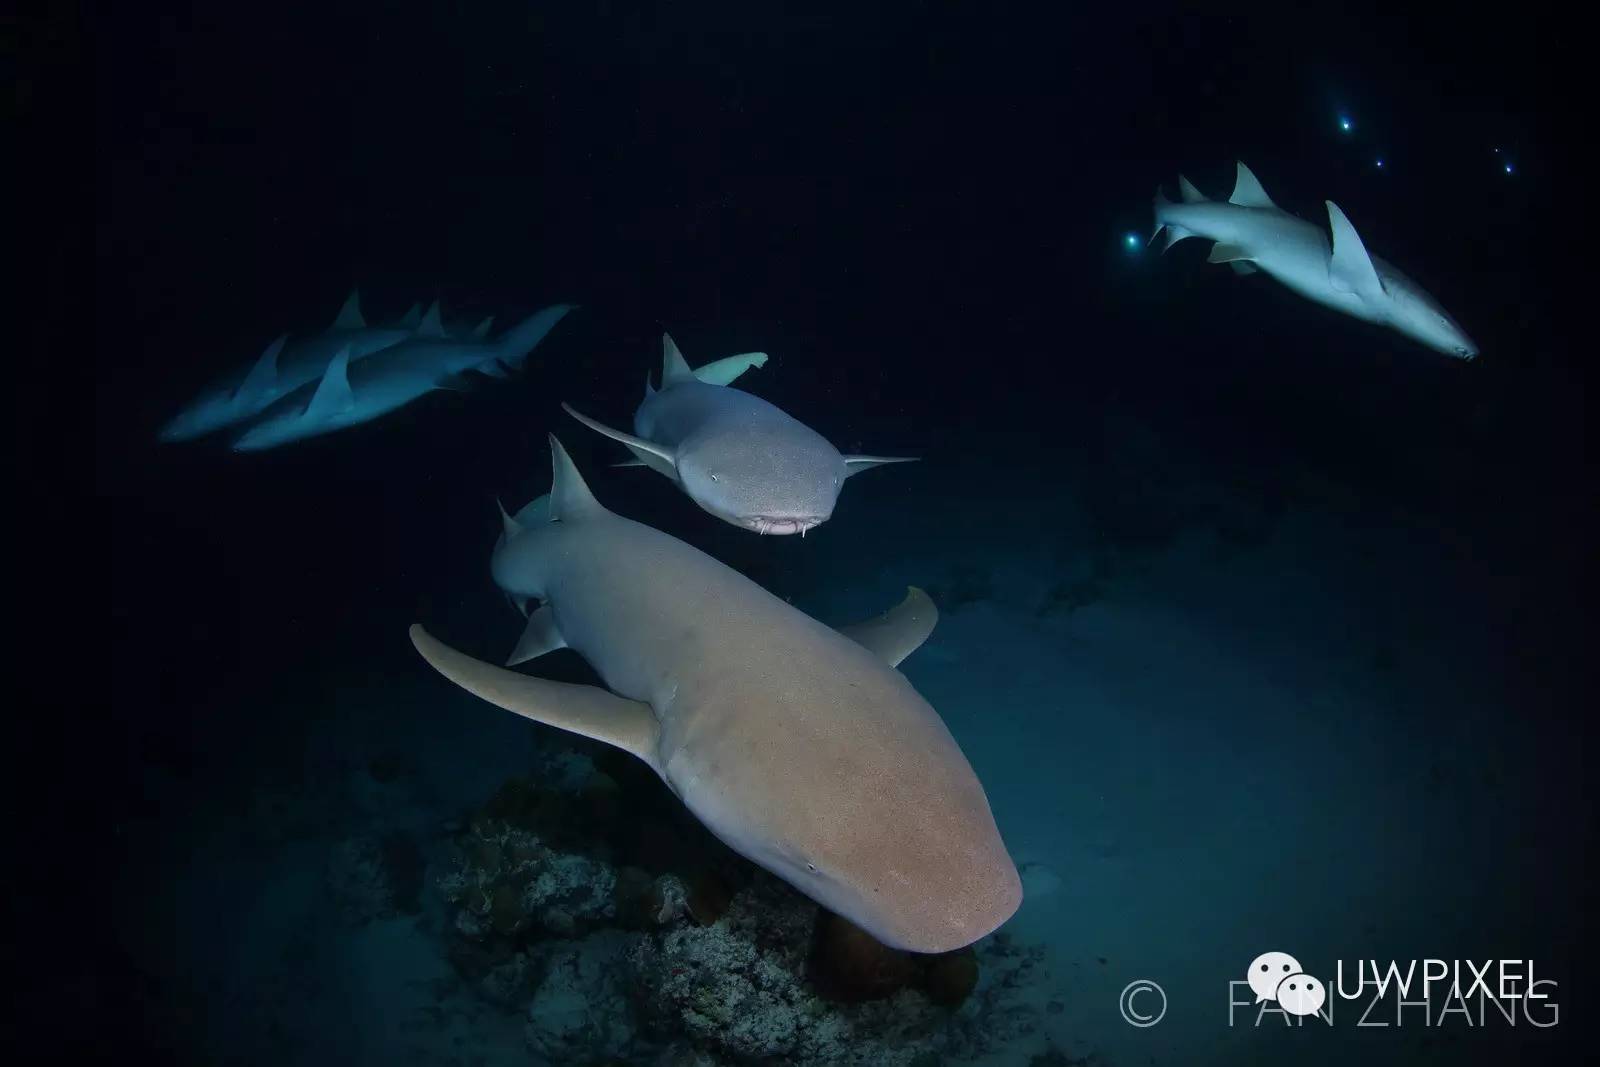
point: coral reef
(740, 990)
(657, 947)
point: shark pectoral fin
(898, 632)
(1351, 269)
(432, 324)
(857, 464)
(541, 635)
(581, 709)
(1243, 266)
(656, 457)
(349, 317)
(1221, 253)
(1247, 191)
(265, 371)
(726, 371)
(333, 392)
(674, 368)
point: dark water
(1264, 628)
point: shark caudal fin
(512, 347)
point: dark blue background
(917, 208)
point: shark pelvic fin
(1243, 266)
(265, 371)
(349, 317)
(1351, 269)
(581, 709)
(898, 632)
(333, 392)
(674, 368)
(1247, 192)
(857, 464)
(1225, 253)
(569, 496)
(658, 458)
(432, 324)
(725, 371)
(541, 635)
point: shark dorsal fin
(726, 370)
(349, 317)
(674, 368)
(569, 493)
(509, 527)
(412, 318)
(1247, 192)
(480, 331)
(265, 371)
(432, 324)
(333, 392)
(1190, 194)
(534, 511)
(1351, 269)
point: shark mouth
(763, 524)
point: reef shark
(1252, 233)
(285, 365)
(351, 393)
(798, 745)
(737, 456)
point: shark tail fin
(513, 346)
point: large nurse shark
(800, 746)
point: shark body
(737, 456)
(798, 745)
(351, 393)
(1252, 233)
(286, 365)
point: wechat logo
(1278, 976)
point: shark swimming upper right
(1252, 233)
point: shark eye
(713, 477)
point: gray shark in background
(350, 393)
(286, 365)
(1252, 233)
(735, 455)
(799, 746)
